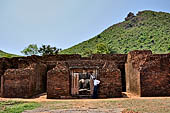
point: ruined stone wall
(110, 77)
(134, 60)
(4, 64)
(61, 57)
(24, 82)
(119, 60)
(50, 60)
(15, 63)
(132, 79)
(59, 80)
(155, 75)
(147, 74)
(23, 62)
(108, 74)
(113, 57)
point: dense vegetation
(4, 54)
(147, 30)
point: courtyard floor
(111, 105)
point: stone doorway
(81, 82)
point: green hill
(4, 54)
(146, 30)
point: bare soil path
(111, 105)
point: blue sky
(63, 23)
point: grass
(17, 106)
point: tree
(32, 49)
(48, 50)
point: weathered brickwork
(110, 77)
(132, 66)
(15, 63)
(148, 74)
(155, 76)
(59, 80)
(23, 83)
(119, 60)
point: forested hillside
(146, 30)
(4, 54)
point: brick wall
(4, 64)
(110, 77)
(24, 82)
(113, 57)
(132, 79)
(119, 60)
(148, 74)
(155, 76)
(59, 80)
(108, 74)
(61, 57)
(134, 60)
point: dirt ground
(132, 104)
(43, 98)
